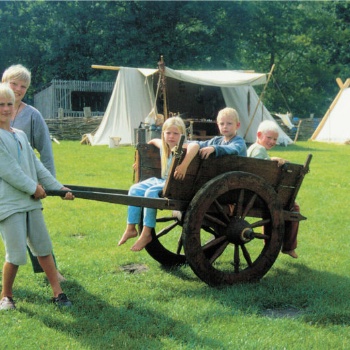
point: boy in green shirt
(267, 136)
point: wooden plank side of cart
(178, 193)
(286, 180)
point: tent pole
(298, 130)
(339, 82)
(324, 119)
(105, 67)
(161, 66)
(260, 99)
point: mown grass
(173, 309)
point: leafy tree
(306, 41)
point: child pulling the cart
(22, 181)
(172, 130)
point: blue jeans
(148, 188)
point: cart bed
(286, 180)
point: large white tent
(335, 125)
(133, 98)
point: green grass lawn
(299, 304)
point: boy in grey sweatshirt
(23, 179)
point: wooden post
(87, 112)
(260, 99)
(60, 113)
(161, 66)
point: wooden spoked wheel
(233, 229)
(166, 246)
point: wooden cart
(229, 214)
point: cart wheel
(233, 229)
(166, 246)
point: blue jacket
(235, 146)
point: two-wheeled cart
(229, 214)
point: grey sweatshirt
(20, 172)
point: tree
(306, 41)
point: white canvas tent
(335, 125)
(133, 98)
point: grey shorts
(21, 229)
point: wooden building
(73, 98)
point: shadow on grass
(96, 324)
(183, 272)
(297, 291)
(321, 295)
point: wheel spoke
(236, 259)
(167, 229)
(260, 223)
(218, 251)
(261, 236)
(214, 220)
(249, 205)
(214, 248)
(209, 230)
(220, 209)
(166, 219)
(214, 242)
(240, 203)
(246, 255)
(179, 246)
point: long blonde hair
(173, 121)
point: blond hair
(180, 125)
(6, 91)
(229, 112)
(17, 72)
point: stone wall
(72, 128)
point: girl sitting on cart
(172, 130)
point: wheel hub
(238, 231)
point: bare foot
(141, 242)
(177, 214)
(127, 234)
(60, 277)
(291, 253)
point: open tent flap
(133, 99)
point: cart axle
(238, 231)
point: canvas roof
(221, 78)
(133, 98)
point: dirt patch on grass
(134, 268)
